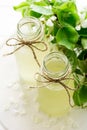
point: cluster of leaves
(65, 19)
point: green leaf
(83, 32)
(83, 93)
(78, 71)
(41, 3)
(41, 9)
(24, 12)
(34, 14)
(84, 43)
(82, 61)
(67, 13)
(55, 28)
(71, 55)
(76, 98)
(67, 36)
(83, 65)
(80, 95)
(77, 79)
(21, 6)
(83, 55)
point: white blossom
(82, 16)
(51, 38)
(84, 23)
(53, 18)
(42, 19)
(78, 27)
(49, 23)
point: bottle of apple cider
(53, 82)
(29, 57)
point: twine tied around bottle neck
(48, 80)
(21, 43)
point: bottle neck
(30, 29)
(55, 65)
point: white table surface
(16, 110)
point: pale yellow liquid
(55, 65)
(27, 65)
(53, 102)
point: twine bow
(48, 80)
(31, 44)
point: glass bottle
(52, 97)
(30, 30)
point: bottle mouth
(55, 65)
(29, 27)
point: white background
(12, 109)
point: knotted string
(48, 80)
(21, 43)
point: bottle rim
(29, 20)
(59, 74)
